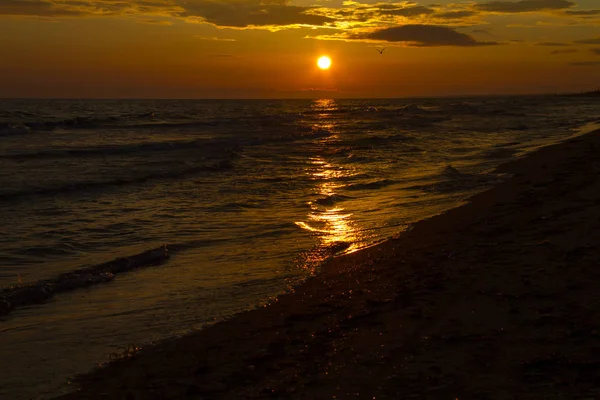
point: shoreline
(465, 304)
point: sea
(248, 198)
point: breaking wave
(371, 185)
(42, 291)
(330, 200)
(203, 145)
(217, 166)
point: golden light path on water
(330, 221)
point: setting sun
(324, 62)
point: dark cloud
(524, 6)
(422, 36)
(38, 8)
(552, 44)
(277, 14)
(583, 12)
(245, 13)
(222, 56)
(412, 11)
(595, 51)
(76, 8)
(589, 41)
(231, 13)
(585, 63)
(483, 31)
(377, 13)
(315, 90)
(566, 51)
(456, 14)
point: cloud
(38, 8)
(155, 22)
(456, 14)
(483, 31)
(589, 41)
(408, 22)
(354, 14)
(585, 63)
(583, 12)
(566, 51)
(224, 13)
(595, 51)
(411, 11)
(523, 6)
(319, 90)
(215, 39)
(222, 56)
(422, 36)
(79, 8)
(552, 44)
(246, 13)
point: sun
(324, 62)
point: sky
(269, 48)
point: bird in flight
(381, 50)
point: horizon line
(299, 98)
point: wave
(230, 146)
(331, 110)
(170, 125)
(143, 121)
(75, 122)
(353, 158)
(221, 165)
(330, 200)
(236, 206)
(452, 180)
(481, 109)
(463, 108)
(79, 122)
(411, 149)
(42, 291)
(103, 151)
(357, 110)
(369, 142)
(371, 185)
(99, 123)
(413, 109)
(336, 247)
(324, 252)
(8, 129)
(520, 127)
(450, 171)
(499, 153)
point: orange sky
(268, 48)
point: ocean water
(249, 197)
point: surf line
(42, 291)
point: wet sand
(496, 299)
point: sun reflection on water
(328, 219)
(324, 105)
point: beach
(494, 299)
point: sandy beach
(495, 299)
